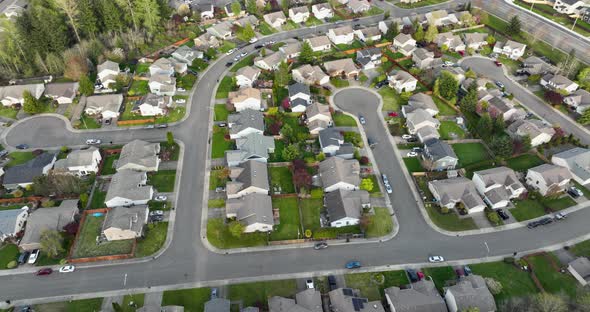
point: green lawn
(215, 180)
(173, 115)
(87, 122)
(444, 108)
(449, 130)
(470, 153)
(98, 199)
(142, 68)
(248, 60)
(19, 158)
(368, 284)
(225, 86)
(312, 20)
(281, 180)
(86, 245)
(257, 293)
(139, 88)
(449, 221)
(172, 149)
(137, 300)
(226, 46)
(515, 282)
(221, 112)
(219, 236)
(290, 225)
(108, 166)
(163, 180)
(310, 212)
(556, 204)
(440, 275)
(265, 29)
(8, 112)
(329, 232)
(524, 162)
(413, 164)
(581, 249)
(85, 305)
(391, 100)
(381, 223)
(533, 208)
(419, 4)
(582, 188)
(155, 237)
(8, 252)
(289, 25)
(193, 300)
(219, 144)
(552, 280)
(45, 259)
(339, 83)
(216, 203)
(187, 81)
(342, 120)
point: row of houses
(61, 92)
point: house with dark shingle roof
(128, 188)
(254, 211)
(253, 146)
(247, 178)
(580, 269)
(337, 173)
(345, 207)
(51, 218)
(421, 296)
(577, 160)
(139, 155)
(439, 155)
(332, 144)
(24, 174)
(498, 186)
(470, 292)
(450, 192)
(123, 223)
(299, 97)
(309, 300)
(217, 305)
(244, 123)
(349, 300)
(548, 179)
(62, 92)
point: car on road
(385, 180)
(161, 198)
(546, 221)
(181, 89)
(502, 214)
(371, 142)
(381, 83)
(533, 224)
(499, 84)
(362, 119)
(93, 142)
(150, 127)
(22, 146)
(498, 63)
(230, 51)
(388, 189)
(435, 259)
(243, 54)
(560, 216)
(237, 58)
(23, 257)
(407, 136)
(258, 46)
(160, 126)
(34, 256)
(309, 284)
(320, 245)
(44, 271)
(575, 192)
(412, 154)
(448, 64)
(254, 39)
(181, 101)
(67, 269)
(353, 264)
(228, 64)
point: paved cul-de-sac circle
(357, 101)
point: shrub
(308, 233)
(11, 265)
(317, 193)
(493, 217)
(18, 193)
(444, 210)
(494, 286)
(48, 203)
(364, 160)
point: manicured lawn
(85, 305)
(366, 282)
(142, 68)
(139, 87)
(449, 221)
(281, 180)
(515, 282)
(137, 300)
(225, 86)
(108, 166)
(527, 209)
(173, 115)
(413, 164)
(187, 81)
(440, 275)
(581, 249)
(226, 46)
(215, 180)
(216, 203)
(193, 300)
(482, 165)
(556, 204)
(98, 199)
(256, 294)
(470, 153)
(524, 162)
(381, 223)
(289, 226)
(265, 29)
(342, 120)
(248, 60)
(8, 252)
(173, 150)
(86, 245)
(339, 83)
(329, 232)
(289, 25)
(87, 122)
(19, 158)
(219, 144)
(8, 112)
(163, 180)
(312, 20)
(221, 112)
(391, 100)
(449, 130)
(310, 212)
(552, 280)
(219, 236)
(155, 237)
(582, 188)
(443, 108)
(419, 4)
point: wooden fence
(135, 121)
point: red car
(392, 114)
(498, 63)
(45, 271)
(420, 275)
(462, 53)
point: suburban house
(13, 95)
(441, 18)
(207, 10)
(476, 40)
(162, 84)
(548, 179)
(369, 58)
(580, 270)
(254, 211)
(419, 118)
(322, 11)
(62, 92)
(80, 162)
(439, 155)
(318, 117)
(558, 82)
(206, 41)
(319, 43)
(214, 305)
(253, 146)
(578, 100)
(479, 82)
(187, 55)
(275, 19)
(419, 296)
(420, 101)
(310, 75)
(451, 41)
(245, 98)
(309, 300)
(128, 188)
(450, 192)
(299, 97)
(139, 155)
(291, 49)
(404, 44)
(498, 186)
(332, 144)
(500, 106)
(248, 178)
(299, 14)
(349, 300)
(246, 76)
(577, 160)
(337, 173)
(511, 49)
(539, 132)
(457, 72)
(245, 122)
(358, 6)
(344, 67)
(533, 65)
(570, 7)
(345, 207)
(248, 19)
(230, 13)
(341, 35)
(106, 73)
(470, 292)
(152, 105)
(12, 222)
(401, 81)
(167, 67)
(269, 62)
(125, 222)
(221, 30)
(368, 34)
(52, 218)
(24, 174)
(423, 58)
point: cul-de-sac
(295, 155)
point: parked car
(332, 282)
(181, 89)
(309, 284)
(392, 114)
(498, 63)
(460, 272)
(320, 245)
(254, 39)
(230, 51)
(412, 154)
(362, 119)
(381, 83)
(67, 269)
(214, 293)
(150, 127)
(533, 224)
(371, 142)
(93, 142)
(258, 46)
(222, 124)
(45, 271)
(384, 177)
(156, 218)
(434, 259)
(560, 216)
(228, 64)
(353, 264)
(412, 275)
(34, 256)
(502, 214)
(161, 197)
(108, 121)
(23, 257)
(243, 54)
(160, 126)
(407, 136)
(156, 213)
(575, 192)
(22, 146)
(388, 189)
(417, 149)
(181, 101)
(499, 84)
(3, 153)
(467, 270)
(546, 221)
(237, 58)
(412, 140)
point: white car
(161, 198)
(67, 269)
(309, 284)
(230, 52)
(93, 142)
(388, 189)
(254, 39)
(243, 54)
(181, 101)
(434, 259)
(412, 154)
(407, 136)
(181, 89)
(33, 257)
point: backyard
(470, 153)
(290, 225)
(310, 212)
(524, 162)
(86, 245)
(551, 279)
(449, 130)
(444, 108)
(139, 88)
(281, 180)
(108, 166)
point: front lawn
(289, 25)
(215, 180)
(381, 223)
(174, 114)
(137, 300)
(226, 46)
(339, 83)
(444, 108)
(342, 120)
(219, 236)
(369, 283)
(313, 21)
(84, 305)
(8, 112)
(551, 279)
(524, 162)
(216, 203)
(533, 208)
(581, 249)
(470, 153)
(248, 60)
(86, 245)
(281, 180)
(334, 232)
(219, 144)
(515, 282)
(257, 293)
(155, 237)
(449, 130)
(449, 221)
(289, 226)
(163, 180)
(221, 112)
(8, 253)
(87, 122)
(108, 166)
(265, 29)
(391, 99)
(440, 275)
(413, 164)
(19, 158)
(225, 86)
(139, 88)
(193, 300)
(310, 212)
(187, 81)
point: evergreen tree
(584, 119)
(70, 9)
(110, 16)
(236, 8)
(484, 126)
(306, 54)
(392, 31)
(248, 32)
(502, 146)
(251, 7)
(86, 86)
(447, 85)
(88, 18)
(282, 75)
(419, 34)
(148, 12)
(499, 125)
(514, 26)
(31, 105)
(468, 102)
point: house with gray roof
(139, 155)
(62, 92)
(418, 119)
(310, 75)
(401, 81)
(221, 30)
(332, 144)
(187, 55)
(271, 61)
(254, 211)
(580, 270)
(106, 74)
(13, 95)
(420, 101)
(318, 118)
(107, 105)
(423, 58)
(578, 100)
(320, 43)
(368, 34)
(12, 222)
(345, 207)
(123, 223)
(128, 188)
(533, 65)
(299, 14)
(291, 49)
(206, 41)
(577, 161)
(349, 300)
(470, 292)
(217, 305)
(275, 19)
(244, 123)
(404, 44)
(248, 19)
(246, 76)
(24, 174)
(358, 6)
(369, 58)
(450, 40)
(247, 178)
(253, 146)
(512, 49)
(322, 11)
(158, 308)
(421, 296)
(309, 300)
(475, 40)
(79, 162)
(342, 67)
(337, 173)
(537, 130)
(558, 82)
(52, 218)
(498, 186)
(299, 97)
(548, 179)
(439, 155)
(162, 84)
(152, 105)
(450, 192)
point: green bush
(317, 193)
(18, 193)
(11, 265)
(48, 203)
(444, 210)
